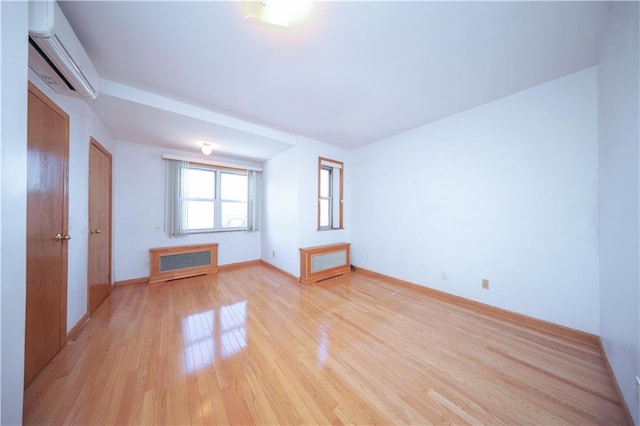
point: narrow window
(330, 194)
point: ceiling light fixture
(283, 13)
(206, 148)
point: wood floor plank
(250, 345)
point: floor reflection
(323, 344)
(212, 335)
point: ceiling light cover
(283, 13)
(206, 148)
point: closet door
(47, 232)
(99, 266)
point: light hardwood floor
(251, 346)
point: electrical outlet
(273, 253)
(485, 283)
(638, 389)
(443, 276)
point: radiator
(172, 263)
(322, 262)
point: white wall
(139, 212)
(13, 153)
(308, 234)
(1, 193)
(280, 211)
(506, 191)
(289, 214)
(83, 124)
(619, 224)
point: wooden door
(99, 266)
(47, 232)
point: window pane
(324, 213)
(200, 215)
(233, 187)
(335, 200)
(325, 178)
(202, 184)
(233, 215)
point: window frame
(339, 168)
(217, 200)
(211, 200)
(221, 200)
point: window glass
(325, 175)
(233, 187)
(233, 214)
(324, 213)
(200, 215)
(201, 184)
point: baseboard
(221, 268)
(238, 265)
(616, 386)
(77, 329)
(503, 314)
(134, 281)
(282, 271)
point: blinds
(328, 163)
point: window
(233, 200)
(216, 199)
(330, 194)
(202, 198)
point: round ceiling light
(206, 148)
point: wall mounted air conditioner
(55, 53)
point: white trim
(330, 164)
(210, 163)
(121, 91)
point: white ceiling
(352, 74)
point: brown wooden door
(99, 267)
(47, 232)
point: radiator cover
(171, 263)
(322, 262)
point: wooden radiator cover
(171, 263)
(322, 262)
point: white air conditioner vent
(56, 55)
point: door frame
(93, 142)
(65, 212)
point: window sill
(215, 231)
(330, 229)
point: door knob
(62, 237)
(96, 231)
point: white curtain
(254, 180)
(177, 205)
